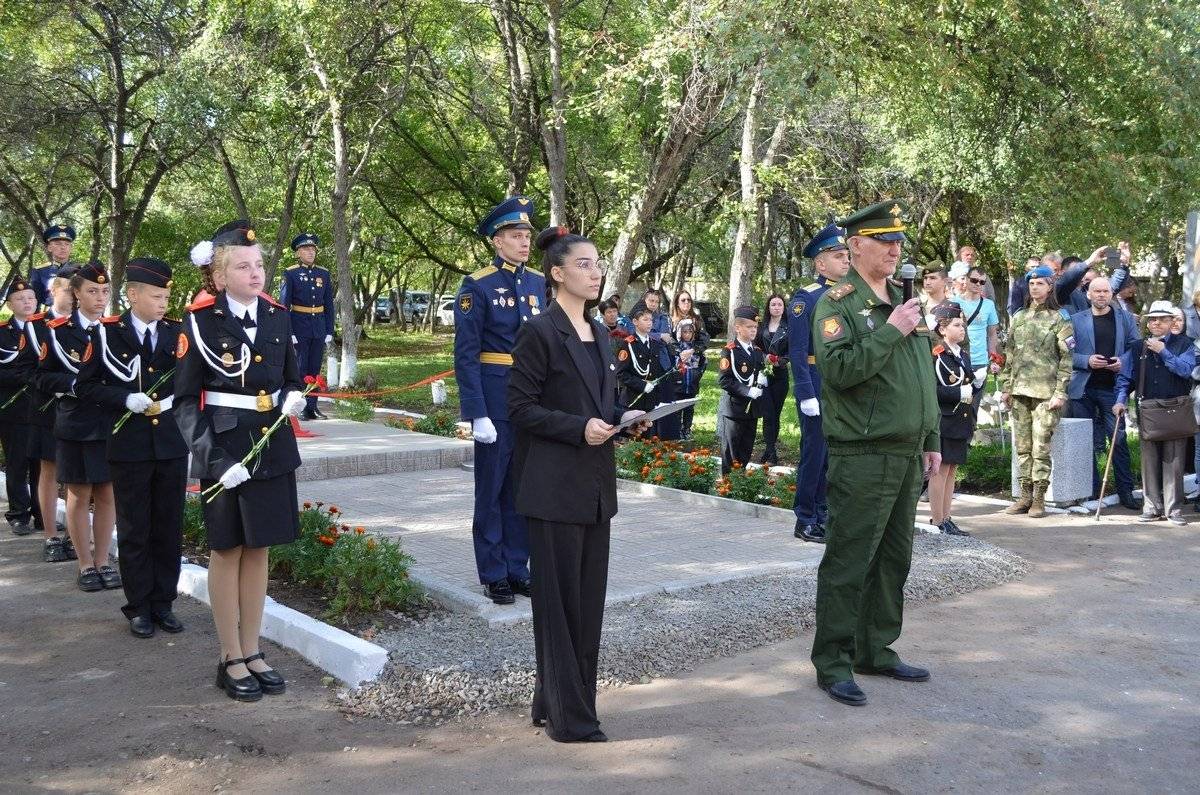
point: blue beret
(58, 232)
(305, 239)
(831, 237)
(514, 212)
(1040, 272)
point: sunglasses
(978, 281)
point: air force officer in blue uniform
(831, 260)
(307, 292)
(58, 239)
(491, 306)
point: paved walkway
(657, 545)
(1081, 677)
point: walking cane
(1112, 445)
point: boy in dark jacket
(742, 380)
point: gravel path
(451, 665)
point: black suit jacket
(18, 360)
(142, 437)
(735, 395)
(220, 436)
(67, 345)
(552, 393)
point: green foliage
(194, 531)
(357, 409)
(667, 464)
(758, 485)
(986, 471)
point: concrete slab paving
(344, 449)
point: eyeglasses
(980, 282)
(587, 266)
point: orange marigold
(307, 505)
(326, 540)
(334, 509)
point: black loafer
(244, 689)
(69, 548)
(24, 528)
(521, 587)
(89, 580)
(110, 577)
(168, 622)
(500, 592)
(846, 692)
(903, 672)
(141, 627)
(270, 682)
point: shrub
(666, 464)
(438, 423)
(194, 531)
(357, 409)
(986, 470)
(759, 485)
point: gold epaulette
(812, 288)
(839, 292)
(292, 267)
(535, 272)
(483, 272)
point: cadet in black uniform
(773, 339)
(131, 355)
(18, 360)
(236, 371)
(642, 359)
(742, 380)
(81, 429)
(58, 547)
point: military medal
(320, 282)
(227, 358)
(745, 368)
(74, 354)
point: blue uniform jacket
(1085, 345)
(309, 289)
(40, 280)
(660, 326)
(491, 305)
(806, 381)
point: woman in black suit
(561, 402)
(773, 339)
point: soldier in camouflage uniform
(1034, 383)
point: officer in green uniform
(880, 417)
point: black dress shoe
(308, 414)
(846, 692)
(1129, 501)
(141, 627)
(951, 528)
(110, 577)
(810, 532)
(901, 671)
(244, 689)
(168, 622)
(595, 737)
(69, 548)
(522, 587)
(54, 551)
(89, 580)
(320, 414)
(500, 592)
(23, 528)
(270, 681)
(539, 722)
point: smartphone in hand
(1112, 259)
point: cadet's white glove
(965, 393)
(810, 407)
(980, 376)
(235, 476)
(294, 340)
(137, 402)
(648, 388)
(483, 430)
(293, 404)
(328, 338)
(762, 380)
(755, 393)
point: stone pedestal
(1070, 462)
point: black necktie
(248, 322)
(147, 346)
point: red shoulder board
(110, 319)
(938, 350)
(202, 303)
(271, 301)
(58, 321)
(38, 316)
(172, 320)
(731, 345)
(3, 324)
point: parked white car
(445, 312)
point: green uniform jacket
(1037, 353)
(877, 394)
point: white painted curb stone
(351, 659)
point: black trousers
(20, 472)
(149, 497)
(776, 395)
(737, 442)
(569, 568)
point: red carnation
(773, 358)
(308, 379)
(731, 345)
(617, 334)
(630, 338)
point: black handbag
(1163, 419)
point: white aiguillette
(659, 411)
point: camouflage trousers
(1033, 426)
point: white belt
(233, 401)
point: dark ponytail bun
(550, 235)
(555, 243)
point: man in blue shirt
(983, 323)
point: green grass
(392, 358)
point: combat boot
(1037, 509)
(1024, 501)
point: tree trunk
(554, 130)
(741, 268)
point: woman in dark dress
(773, 339)
(561, 401)
(236, 373)
(81, 429)
(955, 390)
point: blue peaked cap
(305, 239)
(831, 237)
(515, 212)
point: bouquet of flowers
(311, 383)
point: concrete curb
(351, 659)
